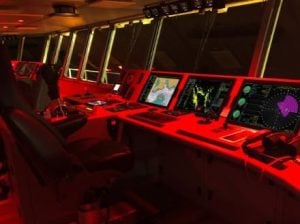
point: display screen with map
(204, 96)
(159, 89)
(265, 105)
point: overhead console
(239, 109)
(267, 105)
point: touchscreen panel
(159, 89)
(266, 105)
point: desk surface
(211, 137)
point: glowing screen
(204, 96)
(159, 89)
(271, 106)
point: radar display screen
(206, 97)
(159, 89)
(271, 106)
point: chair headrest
(9, 93)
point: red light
(21, 20)
(5, 27)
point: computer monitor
(206, 96)
(261, 105)
(159, 89)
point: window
(77, 53)
(283, 61)
(12, 44)
(210, 43)
(52, 48)
(33, 48)
(138, 50)
(96, 54)
(130, 49)
(63, 49)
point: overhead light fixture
(8, 37)
(197, 4)
(147, 12)
(184, 6)
(165, 9)
(208, 3)
(155, 11)
(174, 7)
(64, 10)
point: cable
(135, 35)
(210, 21)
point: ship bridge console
(225, 116)
(203, 134)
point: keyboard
(125, 106)
(176, 113)
(153, 118)
(213, 141)
(132, 105)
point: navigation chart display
(159, 89)
(206, 97)
(272, 106)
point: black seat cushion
(97, 155)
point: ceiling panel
(38, 13)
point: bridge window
(63, 49)
(130, 48)
(77, 53)
(52, 47)
(283, 61)
(210, 43)
(12, 44)
(33, 48)
(95, 54)
(139, 45)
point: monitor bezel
(264, 82)
(233, 80)
(161, 75)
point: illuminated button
(236, 114)
(241, 101)
(247, 89)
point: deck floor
(155, 203)
(160, 205)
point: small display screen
(159, 89)
(116, 87)
(206, 97)
(265, 105)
